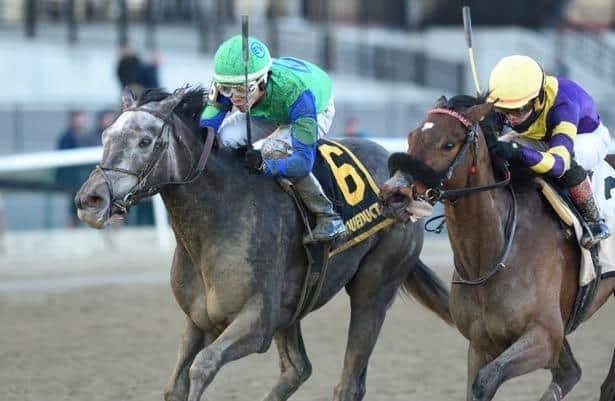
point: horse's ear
(168, 105)
(441, 102)
(476, 113)
(128, 99)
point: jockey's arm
(300, 162)
(304, 134)
(556, 160)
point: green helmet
(228, 61)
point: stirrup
(591, 238)
(337, 231)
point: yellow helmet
(514, 81)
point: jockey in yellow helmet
(559, 131)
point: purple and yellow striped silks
(569, 111)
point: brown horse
(516, 269)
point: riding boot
(583, 198)
(329, 224)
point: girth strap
(315, 271)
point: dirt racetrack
(117, 341)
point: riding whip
(467, 27)
(246, 51)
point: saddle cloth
(603, 182)
(351, 189)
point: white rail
(92, 155)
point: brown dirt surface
(118, 342)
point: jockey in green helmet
(291, 106)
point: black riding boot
(329, 224)
(586, 204)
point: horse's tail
(424, 286)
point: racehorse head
(445, 152)
(151, 144)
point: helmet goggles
(239, 90)
(518, 112)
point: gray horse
(239, 264)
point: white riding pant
(592, 147)
(232, 131)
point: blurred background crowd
(65, 62)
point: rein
(501, 264)
(434, 195)
(139, 191)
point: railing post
(220, 23)
(71, 20)
(326, 47)
(18, 139)
(151, 17)
(123, 22)
(201, 26)
(30, 18)
(273, 31)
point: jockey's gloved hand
(508, 151)
(253, 161)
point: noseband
(139, 191)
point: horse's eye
(145, 142)
(448, 146)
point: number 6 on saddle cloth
(346, 182)
(354, 194)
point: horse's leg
(607, 390)
(371, 293)
(189, 291)
(192, 341)
(294, 363)
(534, 350)
(366, 318)
(605, 289)
(476, 360)
(565, 375)
(244, 336)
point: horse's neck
(477, 228)
(191, 207)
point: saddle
(354, 194)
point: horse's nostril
(93, 201)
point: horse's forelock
(189, 107)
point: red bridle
(458, 116)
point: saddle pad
(603, 185)
(586, 270)
(352, 190)
(603, 181)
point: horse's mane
(188, 109)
